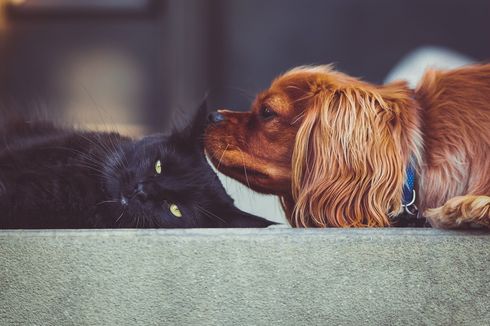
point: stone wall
(245, 277)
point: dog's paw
(444, 218)
(460, 211)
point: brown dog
(336, 149)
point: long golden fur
(336, 149)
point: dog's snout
(215, 117)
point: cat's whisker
(101, 143)
(125, 163)
(90, 161)
(120, 216)
(122, 154)
(244, 168)
(82, 154)
(98, 171)
(107, 201)
(91, 164)
(116, 151)
(223, 154)
(103, 114)
(208, 213)
(106, 147)
(96, 144)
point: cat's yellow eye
(158, 167)
(174, 209)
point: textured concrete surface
(245, 277)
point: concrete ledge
(245, 277)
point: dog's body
(336, 149)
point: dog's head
(256, 147)
(335, 145)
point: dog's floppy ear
(349, 157)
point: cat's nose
(139, 193)
(141, 196)
(216, 117)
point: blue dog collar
(409, 194)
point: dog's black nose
(215, 117)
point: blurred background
(142, 63)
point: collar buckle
(410, 207)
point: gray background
(143, 65)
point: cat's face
(166, 182)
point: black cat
(51, 177)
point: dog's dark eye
(267, 113)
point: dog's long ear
(350, 155)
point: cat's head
(164, 181)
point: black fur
(51, 177)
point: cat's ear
(193, 132)
(236, 218)
(199, 122)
